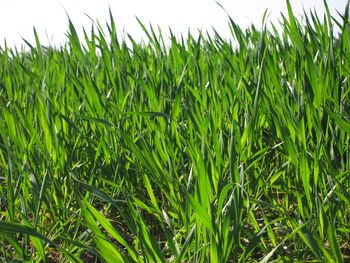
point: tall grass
(192, 150)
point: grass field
(178, 150)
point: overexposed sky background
(18, 17)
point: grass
(198, 150)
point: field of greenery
(178, 149)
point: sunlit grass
(194, 150)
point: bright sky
(17, 17)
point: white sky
(17, 17)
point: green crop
(190, 149)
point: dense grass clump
(198, 150)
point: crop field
(178, 149)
